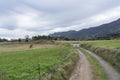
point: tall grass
(62, 70)
(111, 55)
(55, 63)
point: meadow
(22, 64)
(104, 43)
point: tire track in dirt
(110, 71)
(82, 70)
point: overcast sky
(32, 17)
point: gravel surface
(110, 71)
(82, 70)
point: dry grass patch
(18, 47)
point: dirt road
(111, 72)
(83, 69)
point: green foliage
(105, 43)
(62, 70)
(3, 75)
(3, 40)
(48, 38)
(21, 65)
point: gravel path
(111, 72)
(83, 69)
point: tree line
(34, 38)
(44, 37)
(3, 40)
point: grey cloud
(55, 13)
(8, 27)
(71, 11)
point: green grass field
(23, 63)
(105, 43)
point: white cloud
(17, 33)
(104, 17)
(48, 16)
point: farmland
(21, 64)
(105, 43)
(19, 47)
(56, 60)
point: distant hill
(104, 30)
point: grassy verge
(55, 63)
(98, 72)
(111, 55)
(62, 70)
(105, 43)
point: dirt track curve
(83, 69)
(110, 71)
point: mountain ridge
(90, 33)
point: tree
(27, 38)
(19, 40)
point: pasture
(104, 43)
(19, 62)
